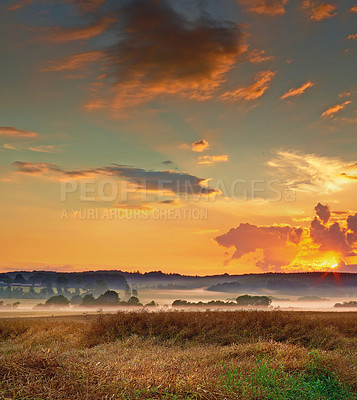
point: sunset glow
(183, 136)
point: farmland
(180, 355)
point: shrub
(59, 300)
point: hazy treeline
(97, 282)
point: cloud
(210, 160)
(258, 56)
(352, 37)
(279, 244)
(87, 5)
(9, 146)
(323, 212)
(318, 11)
(312, 172)
(49, 148)
(59, 34)
(175, 182)
(352, 223)
(332, 111)
(200, 145)
(288, 247)
(267, 7)
(162, 53)
(262, 81)
(297, 91)
(19, 4)
(353, 9)
(8, 131)
(74, 62)
(331, 237)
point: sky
(189, 136)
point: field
(180, 355)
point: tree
(247, 300)
(88, 300)
(151, 304)
(109, 298)
(134, 301)
(59, 300)
(20, 279)
(76, 299)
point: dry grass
(181, 355)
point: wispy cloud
(332, 111)
(210, 160)
(200, 145)
(297, 91)
(9, 146)
(8, 131)
(258, 56)
(318, 11)
(353, 9)
(49, 148)
(87, 5)
(74, 62)
(267, 7)
(19, 4)
(262, 81)
(312, 172)
(59, 34)
(352, 37)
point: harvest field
(180, 355)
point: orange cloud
(19, 4)
(294, 248)
(200, 145)
(74, 62)
(267, 7)
(278, 244)
(50, 148)
(162, 53)
(297, 91)
(88, 5)
(319, 11)
(9, 131)
(210, 160)
(262, 81)
(84, 33)
(258, 56)
(330, 112)
(354, 9)
(9, 146)
(352, 37)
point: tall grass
(181, 355)
(316, 330)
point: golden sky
(182, 136)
